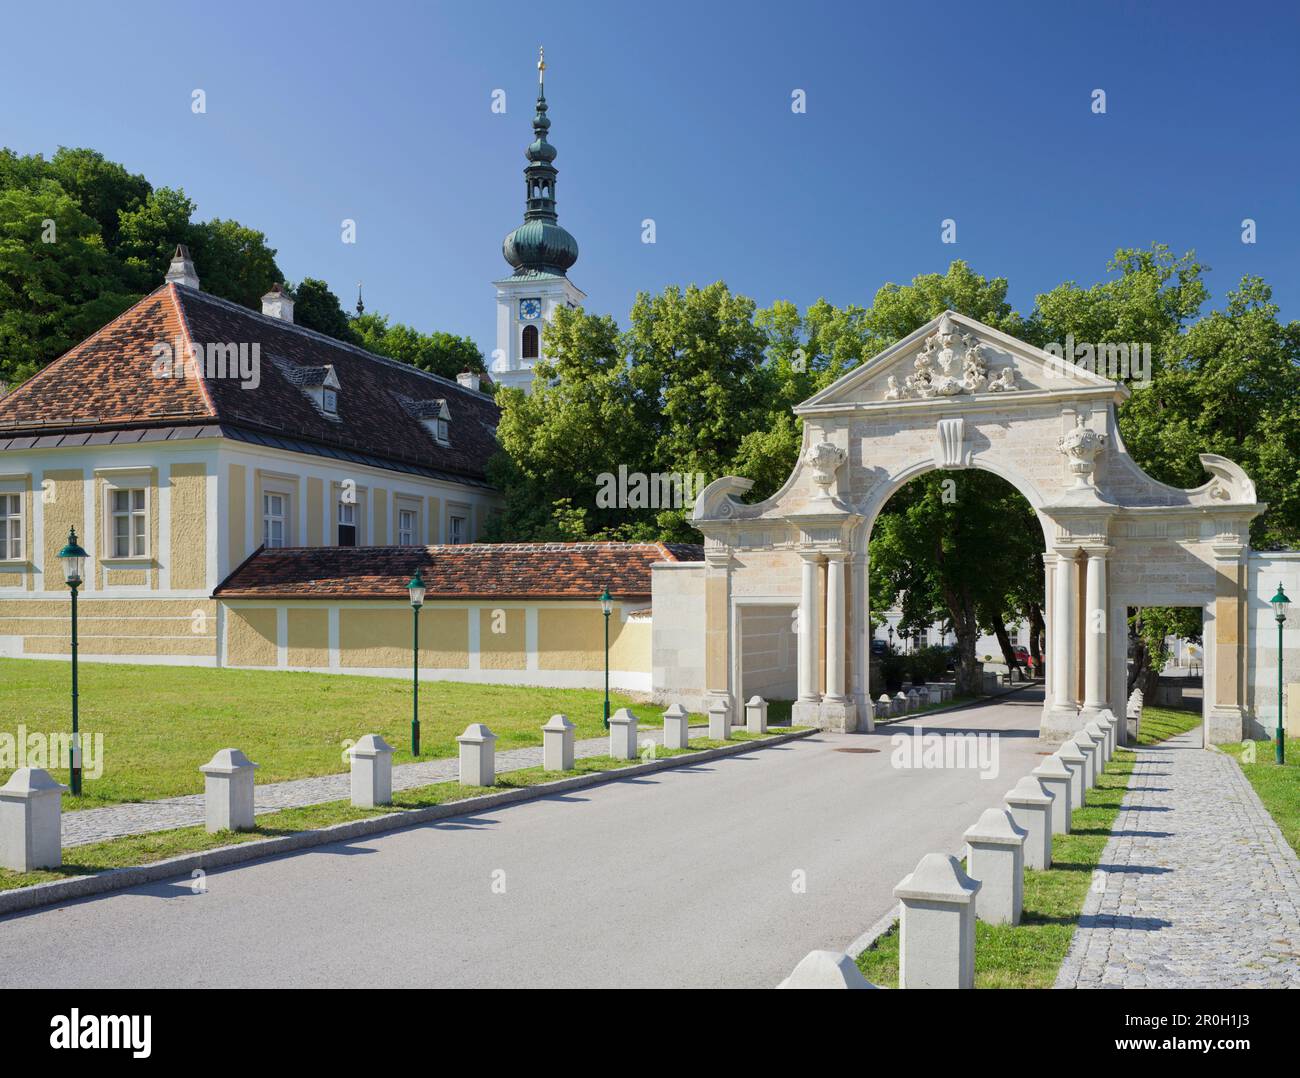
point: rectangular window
(130, 524)
(275, 519)
(11, 527)
(456, 530)
(408, 522)
(330, 401)
(347, 523)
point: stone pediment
(953, 359)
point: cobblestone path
(1197, 888)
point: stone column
(838, 712)
(807, 707)
(1095, 667)
(1224, 712)
(835, 627)
(1063, 630)
(717, 628)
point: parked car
(1022, 656)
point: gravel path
(142, 817)
(1197, 887)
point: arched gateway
(960, 394)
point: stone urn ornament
(1082, 447)
(824, 459)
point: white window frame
(132, 515)
(285, 518)
(452, 520)
(349, 509)
(13, 545)
(329, 400)
(408, 535)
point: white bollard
(557, 744)
(1110, 724)
(937, 926)
(1055, 777)
(756, 715)
(677, 723)
(995, 855)
(228, 791)
(1077, 761)
(31, 829)
(719, 722)
(372, 772)
(900, 703)
(478, 757)
(826, 969)
(622, 735)
(885, 706)
(1089, 747)
(913, 700)
(1098, 734)
(1031, 808)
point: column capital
(1068, 551)
(813, 556)
(1096, 550)
(835, 555)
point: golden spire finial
(541, 65)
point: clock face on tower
(530, 309)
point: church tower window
(530, 349)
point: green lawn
(1161, 723)
(160, 723)
(159, 845)
(1278, 787)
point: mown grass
(160, 845)
(159, 724)
(1161, 723)
(1278, 787)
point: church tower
(540, 252)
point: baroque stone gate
(960, 394)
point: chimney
(277, 303)
(182, 270)
(469, 379)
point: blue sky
(681, 112)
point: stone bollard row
(826, 969)
(477, 756)
(1031, 808)
(1055, 779)
(937, 925)
(31, 822)
(372, 772)
(677, 734)
(557, 744)
(995, 855)
(228, 791)
(1074, 759)
(719, 721)
(622, 734)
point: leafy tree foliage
(439, 353)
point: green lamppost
(74, 559)
(1280, 605)
(415, 587)
(606, 608)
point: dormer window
(320, 385)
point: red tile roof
(108, 382)
(469, 571)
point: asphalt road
(685, 878)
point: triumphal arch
(960, 394)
